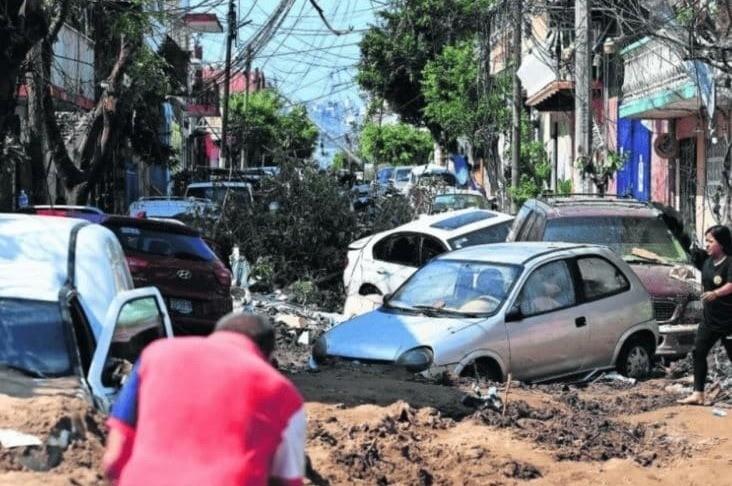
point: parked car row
(582, 284)
(171, 256)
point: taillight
(137, 264)
(223, 275)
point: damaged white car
(535, 310)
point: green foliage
(600, 171)
(564, 187)
(340, 161)
(395, 52)
(267, 129)
(535, 171)
(395, 144)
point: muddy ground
(371, 426)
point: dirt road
(370, 427)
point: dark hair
(722, 234)
(254, 326)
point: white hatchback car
(380, 263)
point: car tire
(635, 359)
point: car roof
(196, 185)
(574, 206)
(514, 253)
(34, 255)
(448, 225)
(152, 224)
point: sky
(305, 60)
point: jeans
(706, 338)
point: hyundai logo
(184, 274)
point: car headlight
(693, 312)
(416, 359)
(320, 349)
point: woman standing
(717, 301)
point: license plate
(181, 306)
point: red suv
(646, 236)
(174, 258)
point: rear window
(150, 242)
(492, 234)
(634, 238)
(461, 220)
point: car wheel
(635, 360)
(483, 370)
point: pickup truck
(200, 198)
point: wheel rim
(637, 362)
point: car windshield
(218, 193)
(160, 243)
(437, 178)
(402, 175)
(455, 287)
(445, 202)
(636, 239)
(384, 175)
(33, 338)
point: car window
(139, 323)
(634, 238)
(492, 234)
(600, 278)
(431, 247)
(527, 230)
(402, 249)
(33, 338)
(548, 288)
(160, 243)
(219, 193)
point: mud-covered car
(69, 318)
(536, 310)
(648, 238)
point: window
(548, 288)
(526, 231)
(33, 338)
(161, 243)
(431, 247)
(139, 323)
(600, 278)
(520, 221)
(492, 234)
(634, 238)
(402, 249)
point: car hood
(383, 335)
(659, 282)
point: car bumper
(677, 340)
(204, 318)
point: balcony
(660, 84)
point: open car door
(134, 319)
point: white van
(68, 310)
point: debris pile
(719, 377)
(297, 327)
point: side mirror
(514, 314)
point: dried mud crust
(356, 435)
(76, 430)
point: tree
(409, 34)
(395, 144)
(119, 29)
(266, 129)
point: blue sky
(303, 59)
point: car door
(395, 258)
(550, 337)
(134, 319)
(603, 290)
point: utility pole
(517, 101)
(582, 85)
(231, 19)
(245, 128)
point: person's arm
(121, 423)
(722, 291)
(288, 466)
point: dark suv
(173, 257)
(643, 236)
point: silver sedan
(536, 310)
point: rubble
(719, 377)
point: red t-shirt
(210, 411)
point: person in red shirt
(208, 410)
